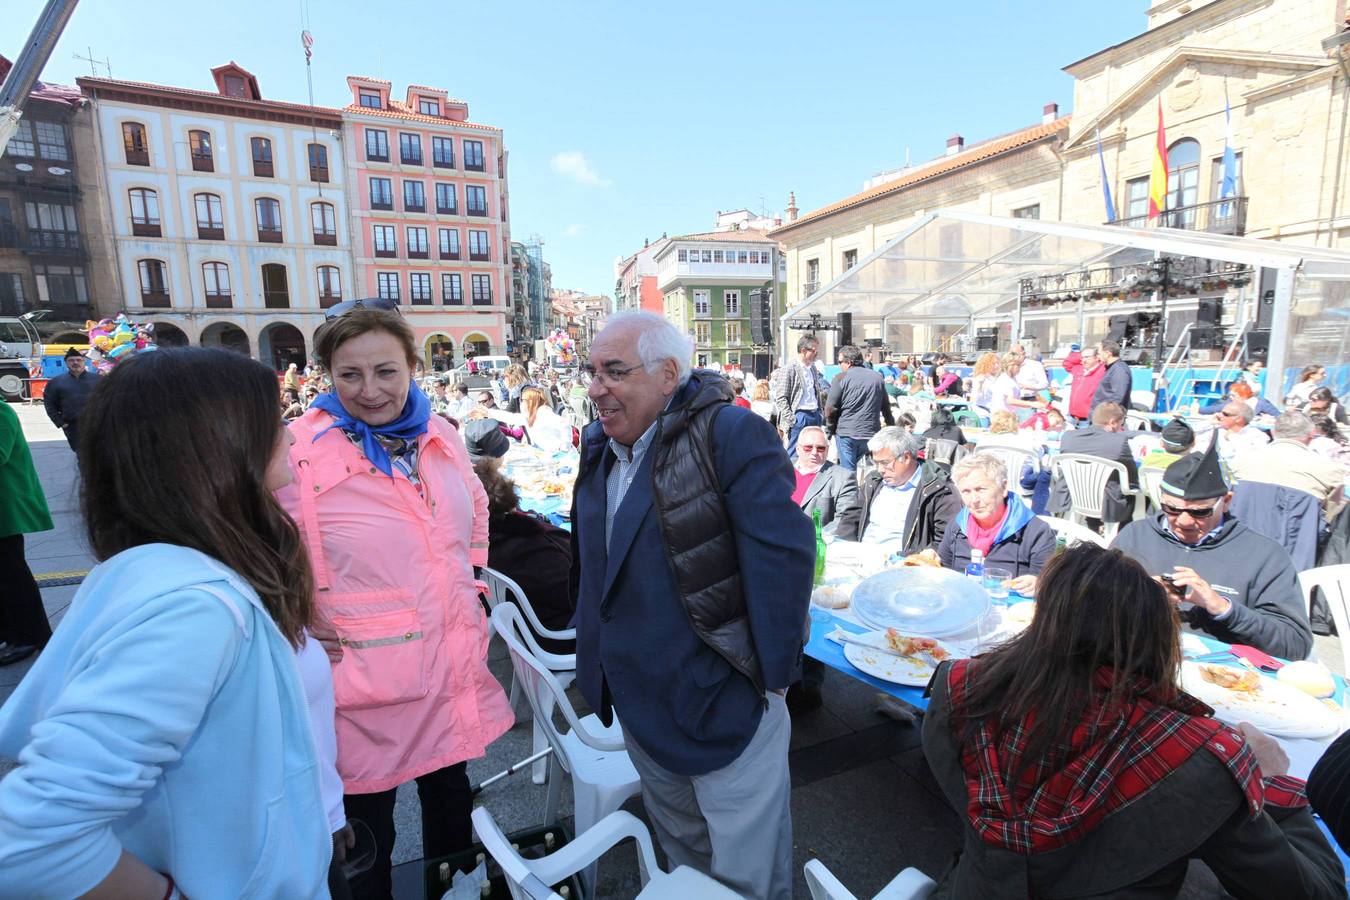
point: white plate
(887, 666)
(1192, 646)
(1276, 709)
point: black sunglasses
(388, 304)
(1202, 512)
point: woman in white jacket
(545, 428)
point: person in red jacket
(1086, 369)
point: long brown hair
(1095, 609)
(530, 400)
(174, 449)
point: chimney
(955, 144)
(792, 206)
(1049, 113)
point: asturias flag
(1106, 182)
(1228, 187)
(1157, 179)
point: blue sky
(627, 119)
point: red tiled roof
(976, 154)
(400, 110)
(743, 236)
(424, 87)
(213, 95)
(371, 80)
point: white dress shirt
(889, 509)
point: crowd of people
(288, 614)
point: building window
(717, 256)
(475, 199)
(210, 220)
(1216, 177)
(443, 152)
(318, 163)
(1183, 173)
(473, 156)
(51, 141)
(813, 271)
(705, 255)
(12, 300)
(199, 146)
(134, 144)
(682, 255)
(235, 87)
(703, 333)
(733, 334)
(268, 212)
(757, 257)
(481, 286)
(414, 197)
(417, 244)
(324, 219)
(731, 301)
(386, 285)
(702, 303)
(409, 149)
(478, 246)
(369, 99)
(386, 241)
(144, 212)
(850, 259)
(742, 257)
(52, 226)
(381, 193)
(419, 288)
(23, 143)
(1027, 212)
(262, 157)
(216, 278)
(330, 286)
(377, 145)
(449, 243)
(276, 292)
(428, 107)
(154, 283)
(447, 204)
(1136, 198)
(61, 285)
(452, 289)
(733, 357)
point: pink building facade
(429, 212)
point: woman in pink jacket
(395, 520)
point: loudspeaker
(1207, 314)
(986, 338)
(1134, 356)
(1258, 345)
(845, 329)
(761, 316)
(763, 363)
(1265, 306)
(1117, 327)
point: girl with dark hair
(942, 427)
(163, 734)
(1306, 382)
(1322, 402)
(1329, 441)
(1081, 769)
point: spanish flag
(1157, 179)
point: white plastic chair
(1136, 421)
(1014, 458)
(1150, 482)
(910, 884)
(502, 589)
(1073, 532)
(1335, 584)
(1086, 478)
(529, 879)
(602, 774)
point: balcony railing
(269, 235)
(385, 253)
(262, 168)
(207, 233)
(414, 206)
(203, 162)
(809, 288)
(138, 157)
(382, 204)
(418, 254)
(325, 240)
(52, 240)
(145, 229)
(1227, 216)
(155, 300)
(216, 300)
(445, 210)
(276, 298)
(327, 300)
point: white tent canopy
(952, 266)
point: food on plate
(830, 597)
(923, 558)
(907, 645)
(1309, 677)
(1244, 680)
(1019, 615)
(554, 487)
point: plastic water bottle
(975, 568)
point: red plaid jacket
(1114, 757)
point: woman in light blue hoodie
(163, 741)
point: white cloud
(574, 229)
(574, 165)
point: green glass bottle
(820, 549)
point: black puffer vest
(697, 530)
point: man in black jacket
(905, 504)
(1116, 381)
(856, 405)
(66, 395)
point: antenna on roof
(107, 64)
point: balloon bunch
(561, 345)
(113, 340)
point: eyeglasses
(822, 448)
(387, 304)
(610, 375)
(1197, 513)
(883, 463)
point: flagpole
(307, 41)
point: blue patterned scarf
(407, 427)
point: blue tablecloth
(550, 508)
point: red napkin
(1256, 657)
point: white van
(485, 365)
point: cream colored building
(1277, 66)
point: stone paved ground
(863, 799)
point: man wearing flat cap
(1230, 582)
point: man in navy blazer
(692, 578)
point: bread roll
(1309, 677)
(830, 597)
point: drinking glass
(361, 855)
(996, 583)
